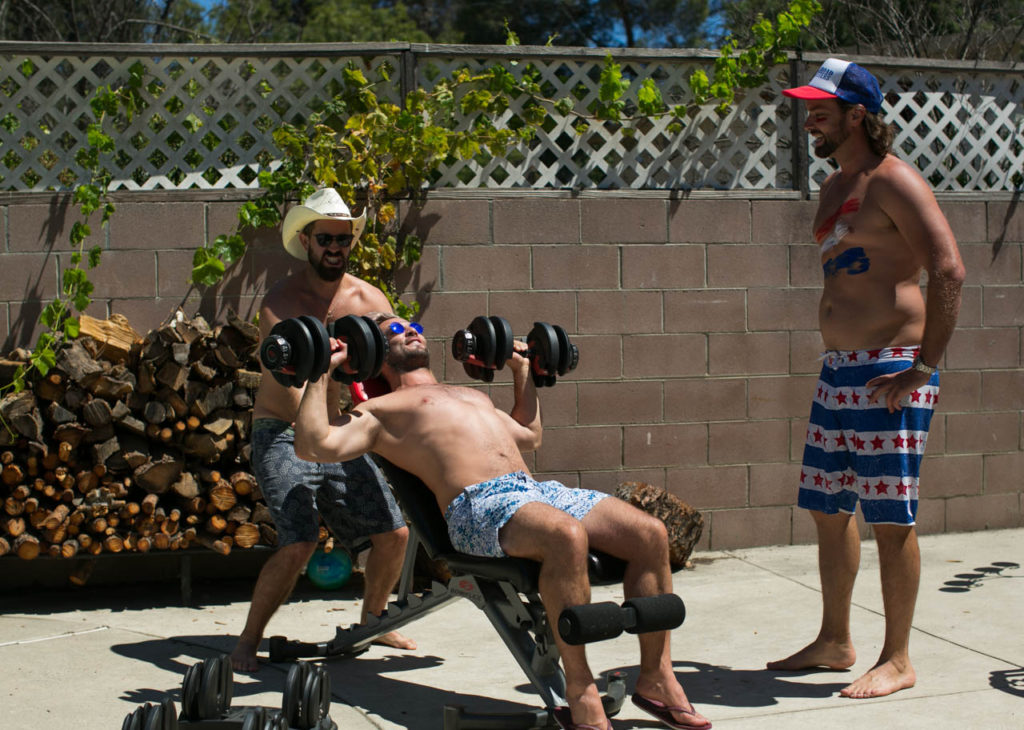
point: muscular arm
(909, 203)
(918, 218)
(322, 437)
(525, 414)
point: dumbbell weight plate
(358, 335)
(381, 347)
(161, 717)
(134, 719)
(215, 688)
(275, 721)
(321, 358)
(316, 698)
(543, 341)
(291, 696)
(190, 692)
(301, 356)
(255, 718)
(568, 354)
(482, 330)
(502, 341)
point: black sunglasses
(323, 240)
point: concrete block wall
(696, 321)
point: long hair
(880, 133)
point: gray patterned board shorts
(352, 496)
(481, 510)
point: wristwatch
(921, 367)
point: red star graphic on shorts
(828, 485)
(803, 475)
(841, 440)
(912, 442)
(878, 442)
(841, 398)
(897, 352)
(821, 393)
(853, 356)
(902, 488)
(916, 396)
(867, 487)
(881, 488)
(818, 436)
(874, 354)
(856, 398)
(927, 397)
(858, 443)
(818, 480)
(899, 442)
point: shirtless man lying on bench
(468, 453)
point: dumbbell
(206, 689)
(486, 344)
(298, 349)
(599, 621)
(160, 716)
(306, 699)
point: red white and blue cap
(837, 79)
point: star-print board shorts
(352, 496)
(480, 511)
(858, 451)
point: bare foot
(243, 658)
(585, 709)
(818, 653)
(395, 640)
(883, 679)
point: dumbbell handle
(530, 355)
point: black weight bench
(505, 589)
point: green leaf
(71, 327)
(649, 98)
(611, 86)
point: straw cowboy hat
(323, 205)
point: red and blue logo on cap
(837, 79)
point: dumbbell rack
(206, 692)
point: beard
(324, 271)
(402, 360)
(829, 145)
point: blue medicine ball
(328, 571)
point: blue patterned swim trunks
(477, 515)
(353, 497)
(857, 451)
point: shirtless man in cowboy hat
(352, 496)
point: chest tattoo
(831, 232)
(853, 260)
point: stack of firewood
(134, 443)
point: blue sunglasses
(397, 328)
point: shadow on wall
(997, 245)
(24, 327)
(266, 262)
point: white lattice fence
(207, 124)
(211, 112)
(737, 149)
(962, 128)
